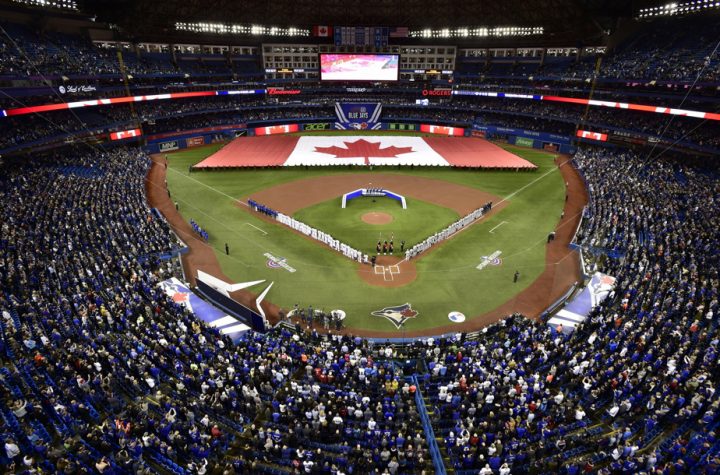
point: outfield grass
(447, 278)
(412, 225)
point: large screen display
(359, 67)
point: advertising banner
(398, 126)
(586, 134)
(317, 126)
(490, 130)
(277, 129)
(442, 130)
(439, 92)
(125, 134)
(524, 142)
(168, 146)
(195, 141)
(358, 115)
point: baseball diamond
(528, 202)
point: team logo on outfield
(491, 260)
(275, 262)
(397, 315)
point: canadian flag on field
(322, 30)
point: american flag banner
(399, 32)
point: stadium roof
(570, 18)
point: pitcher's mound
(377, 218)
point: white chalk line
(494, 205)
(493, 229)
(250, 224)
(405, 259)
(532, 182)
(208, 186)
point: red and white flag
(323, 31)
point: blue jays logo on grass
(493, 261)
(397, 315)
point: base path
(377, 218)
(379, 150)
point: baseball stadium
(353, 238)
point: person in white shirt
(11, 449)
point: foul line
(493, 229)
(532, 182)
(186, 175)
(501, 201)
(250, 224)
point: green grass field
(412, 225)
(447, 278)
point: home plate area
(388, 272)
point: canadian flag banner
(322, 30)
(587, 134)
(370, 150)
(281, 149)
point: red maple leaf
(179, 297)
(363, 148)
(408, 313)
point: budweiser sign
(273, 91)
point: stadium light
(222, 29)
(59, 4)
(670, 9)
(477, 32)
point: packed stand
(633, 388)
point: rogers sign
(273, 91)
(437, 92)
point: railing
(435, 454)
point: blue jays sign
(358, 116)
(396, 315)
